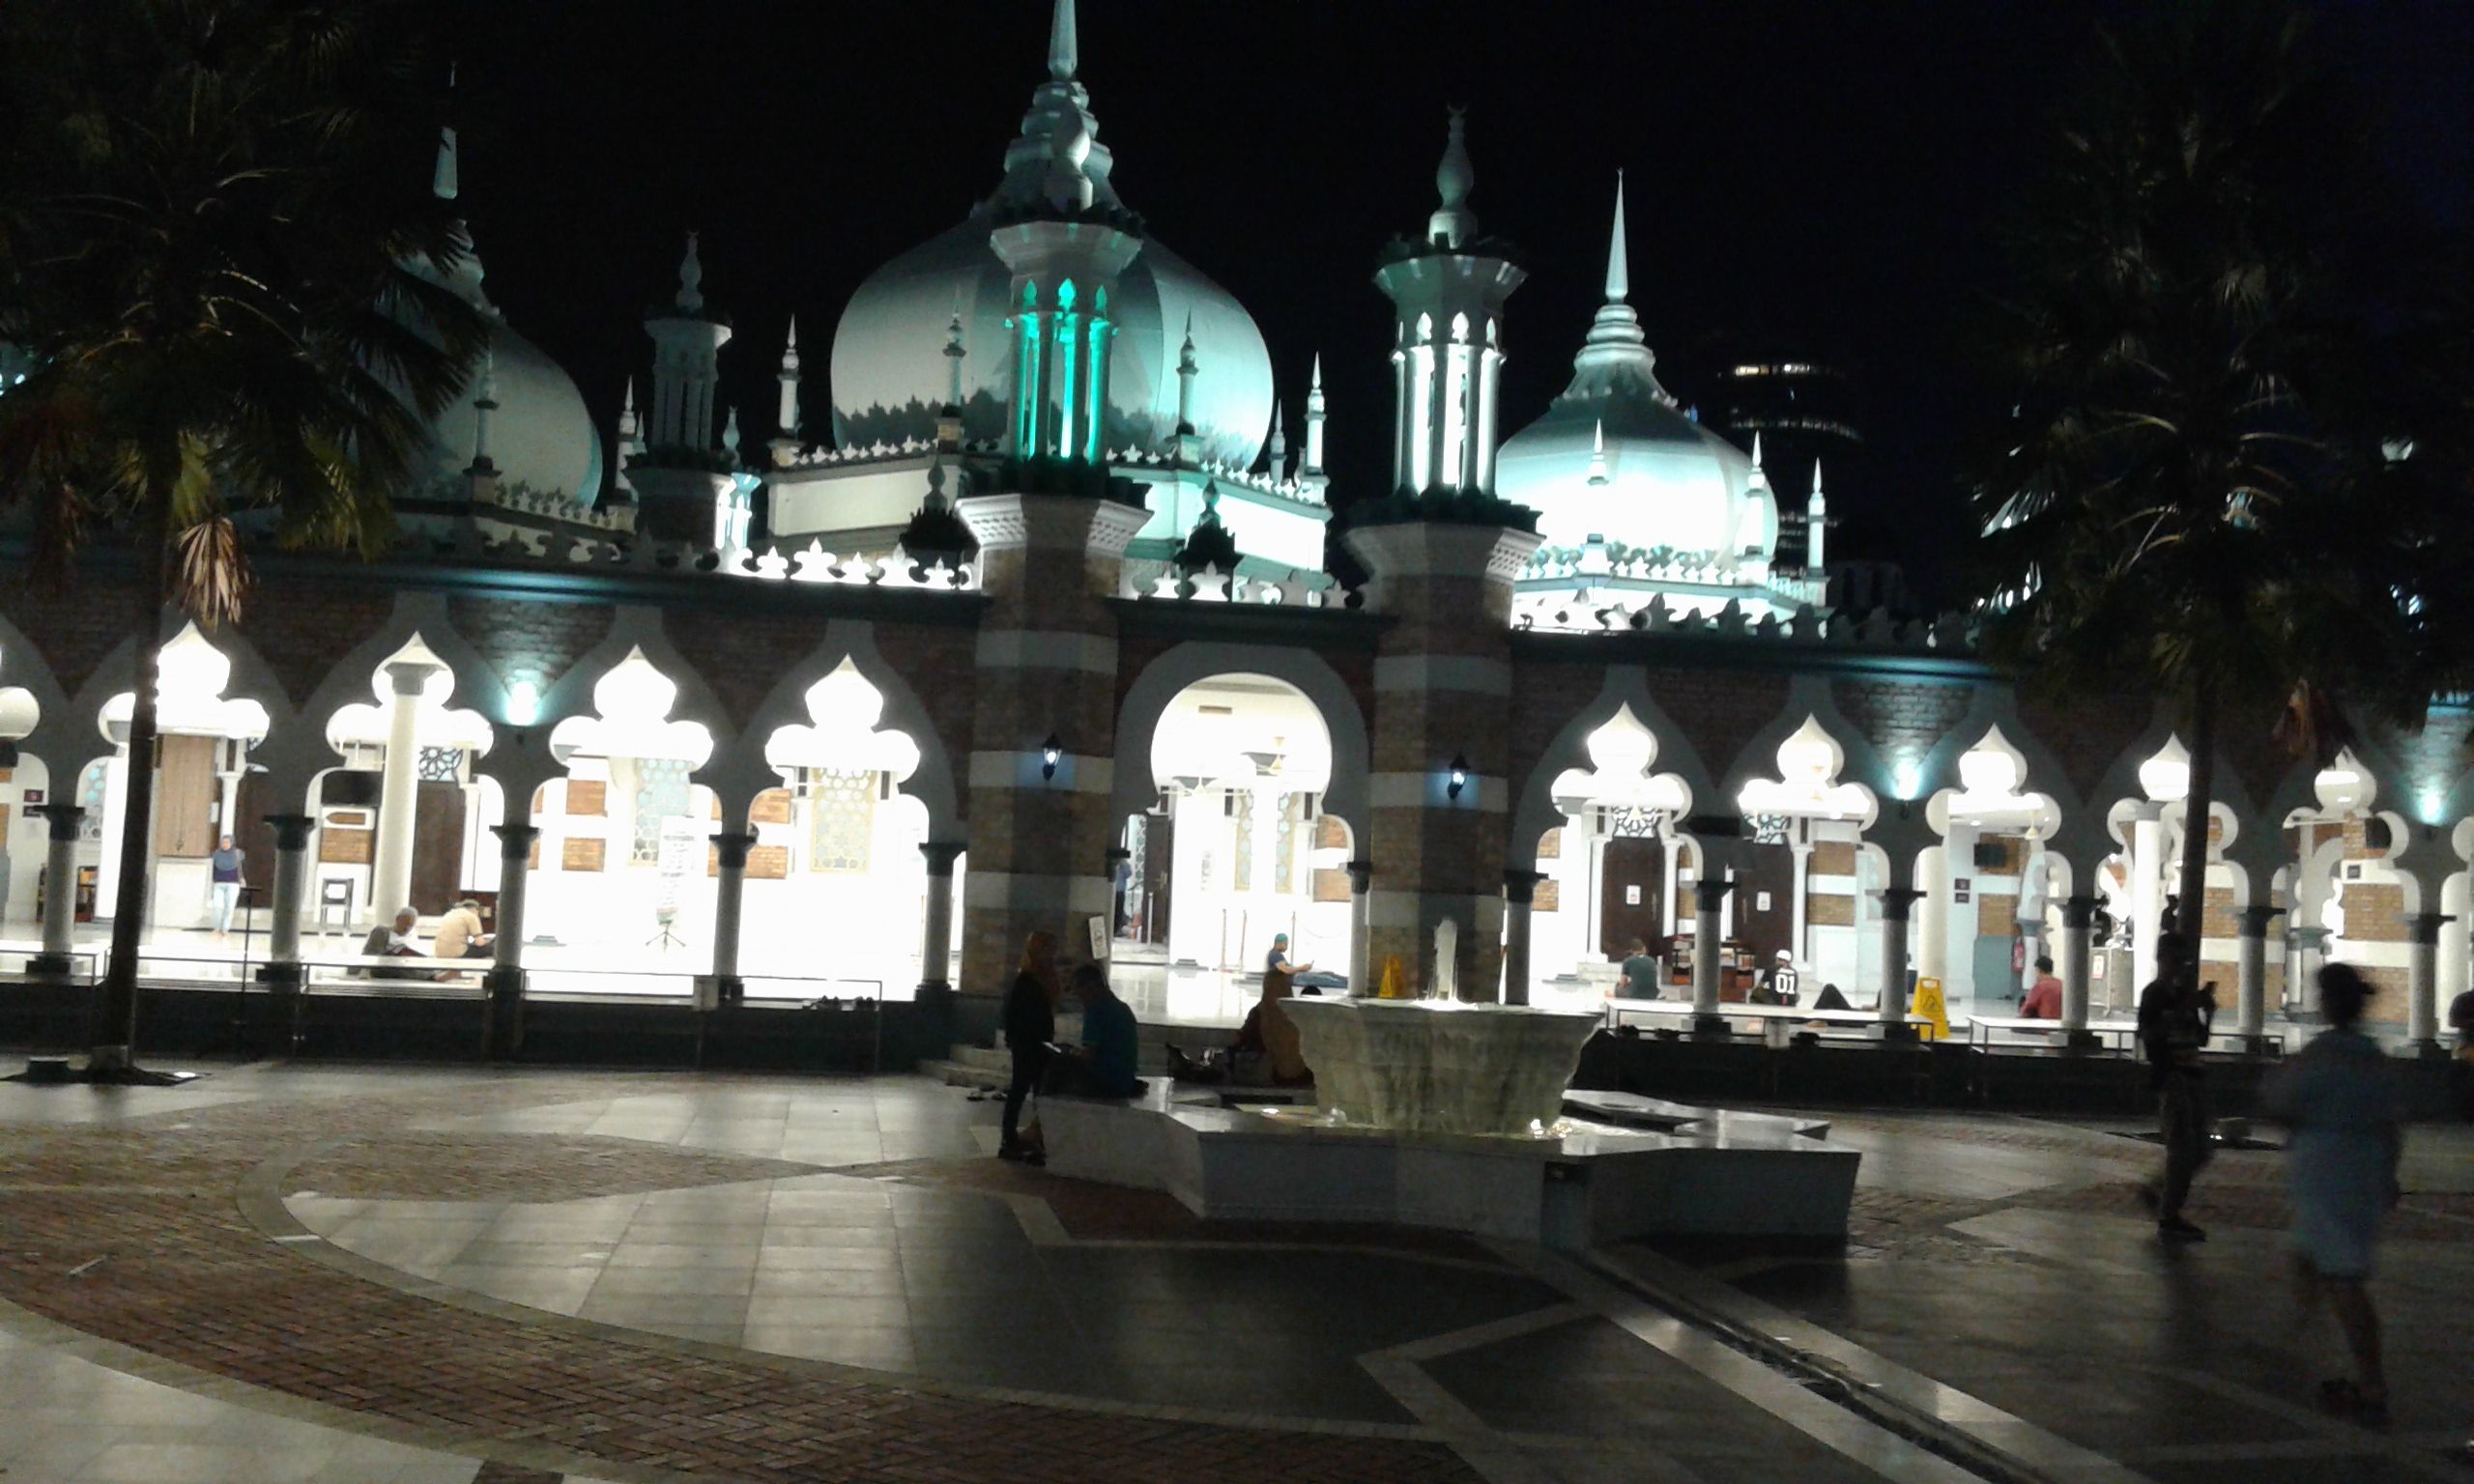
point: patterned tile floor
(296, 1273)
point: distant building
(1802, 411)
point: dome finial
(1064, 47)
(1816, 476)
(1598, 453)
(1618, 274)
(691, 278)
(1452, 223)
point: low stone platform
(1586, 1184)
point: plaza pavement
(302, 1272)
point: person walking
(2340, 1098)
(225, 865)
(1030, 1026)
(2172, 1026)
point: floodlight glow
(1051, 753)
(523, 703)
(1460, 775)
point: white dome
(540, 437)
(1670, 482)
(890, 370)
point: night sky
(1808, 179)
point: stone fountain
(1441, 1065)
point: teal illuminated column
(1063, 269)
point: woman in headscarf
(1030, 1028)
(1272, 1035)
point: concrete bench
(1116, 1141)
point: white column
(1520, 891)
(1708, 905)
(1932, 932)
(1797, 926)
(2251, 973)
(937, 928)
(60, 888)
(2422, 980)
(2077, 919)
(115, 812)
(291, 895)
(1891, 1012)
(1261, 898)
(729, 894)
(1361, 928)
(2147, 894)
(398, 791)
(515, 853)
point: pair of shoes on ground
(2344, 1398)
(1023, 1154)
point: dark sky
(1819, 176)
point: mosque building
(1021, 621)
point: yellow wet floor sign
(1931, 1007)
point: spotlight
(1051, 753)
(1460, 775)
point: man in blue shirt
(1110, 1040)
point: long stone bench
(1632, 1110)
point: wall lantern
(1460, 775)
(1051, 753)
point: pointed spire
(1816, 478)
(1314, 387)
(1452, 223)
(1598, 453)
(442, 180)
(1186, 370)
(627, 409)
(691, 278)
(1618, 270)
(1278, 448)
(1757, 478)
(1064, 47)
(790, 347)
(1311, 470)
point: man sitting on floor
(459, 932)
(393, 942)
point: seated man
(2043, 1001)
(1267, 1044)
(395, 941)
(1639, 980)
(459, 932)
(1103, 1065)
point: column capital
(731, 847)
(1361, 876)
(1709, 891)
(63, 817)
(408, 678)
(291, 831)
(2079, 911)
(941, 855)
(2254, 919)
(2422, 928)
(1897, 899)
(515, 841)
(1520, 887)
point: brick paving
(529, 1167)
(184, 1274)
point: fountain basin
(1440, 1066)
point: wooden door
(251, 802)
(1765, 916)
(1631, 888)
(186, 792)
(438, 847)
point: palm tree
(216, 251)
(2201, 488)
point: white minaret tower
(1816, 523)
(949, 417)
(630, 442)
(1276, 451)
(1310, 474)
(785, 439)
(1447, 296)
(1187, 371)
(687, 349)
(485, 401)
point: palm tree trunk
(2195, 818)
(114, 1028)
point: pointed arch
(738, 771)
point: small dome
(890, 373)
(540, 437)
(1670, 482)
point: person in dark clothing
(1030, 1026)
(1104, 1064)
(2174, 1017)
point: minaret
(1187, 371)
(785, 439)
(485, 401)
(630, 443)
(949, 417)
(1064, 240)
(1447, 295)
(1276, 451)
(1816, 523)
(1310, 474)
(688, 346)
